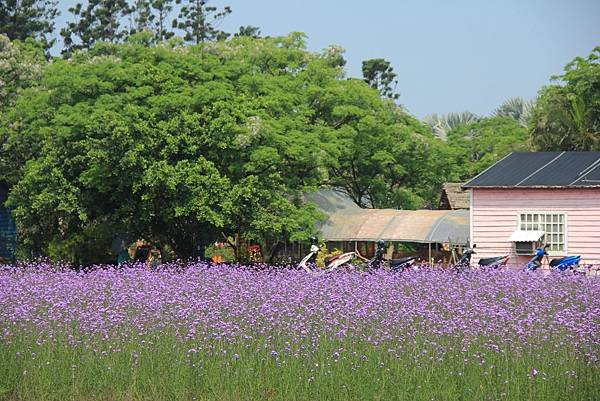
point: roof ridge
(539, 169)
(484, 171)
(562, 169)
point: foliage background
(184, 140)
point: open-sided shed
(348, 222)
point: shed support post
(430, 261)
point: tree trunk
(270, 252)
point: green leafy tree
(380, 156)
(22, 19)
(334, 55)
(166, 144)
(567, 114)
(153, 15)
(380, 75)
(200, 21)
(95, 21)
(21, 67)
(478, 145)
(248, 30)
(182, 145)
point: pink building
(527, 199)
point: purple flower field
(203, 332)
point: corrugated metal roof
(542, 169)
(452, 227)
(330, 200)
(355, 224)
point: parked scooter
(308, 263)
(566, 263)
(378, 261)
(465, 260)
(334, 262)
(536, 261)
(397, 265)
(559, 264)
(493, 262)
(401, 264)
(310, 260)
(337, 261)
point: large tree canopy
(181, 144)
(172, 144)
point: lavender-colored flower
(423, 317)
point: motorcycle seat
(399, 261)
(490, 261)
(330, 259)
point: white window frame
(564, 252)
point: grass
(335, 370)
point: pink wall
(494, 217)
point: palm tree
(585, 126)
(565, 124)
(516, 108)
(443, 124)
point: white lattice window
(553, 224)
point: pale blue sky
(449, 55)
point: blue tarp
(8, 230)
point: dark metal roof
(542, 169)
